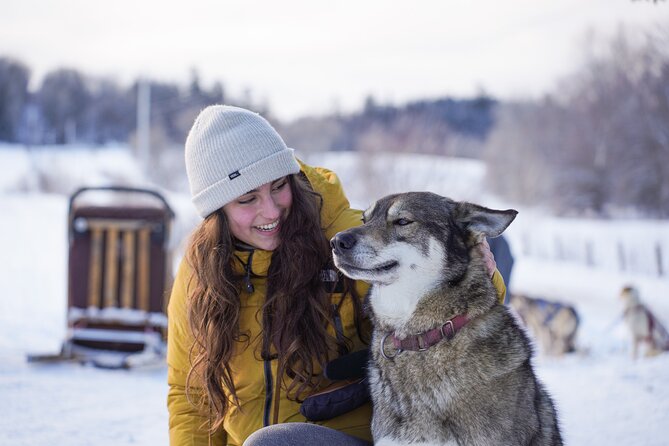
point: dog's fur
(418, 251)
(644, 326)
(553, 324)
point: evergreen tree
(14, 77)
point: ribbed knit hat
(230, 151)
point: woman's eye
(245, 200)
(280, 185)
(402, 222)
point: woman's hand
(489, 259)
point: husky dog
(450, 366)
(553, 324)
(643, 325)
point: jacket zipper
(339, 329)
(269, 382)
(267, 363)
(269, 388)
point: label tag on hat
(234, 175)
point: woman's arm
(187, 425)
(498, 281)
(494, 273)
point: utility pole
(144, 122)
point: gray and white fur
(419, 252)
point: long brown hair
(295, 316)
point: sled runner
(118, 277)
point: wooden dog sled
(118, 278)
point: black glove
(348, 367)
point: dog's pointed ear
(482, 221)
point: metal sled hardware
(118, 277)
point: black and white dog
(450, 365)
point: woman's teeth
(269, 227)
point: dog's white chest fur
(419, 273)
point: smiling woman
(257, 308)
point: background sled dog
(644, 327)
(553, 324)
(449, 364)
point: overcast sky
(307, 56)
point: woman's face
(256, 217)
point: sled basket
(118, 271)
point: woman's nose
(270, 209)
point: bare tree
(600, 142)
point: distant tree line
(446, 126)
(600, 142)
(71, 107)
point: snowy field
(603, 397)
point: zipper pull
(247, 277)
(249, 286)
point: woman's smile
(269, 227)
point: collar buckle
(443, 333)
(383, 348)
(422, 343)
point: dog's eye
(402, 222)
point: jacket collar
(255, 261)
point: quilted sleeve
(188, 427)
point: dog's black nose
(342, 241)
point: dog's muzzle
(342, 242)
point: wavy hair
(295, 316)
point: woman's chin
(267, 243)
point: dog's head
(630, 296)
(420, 236)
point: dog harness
(653, 325)
(423, 341)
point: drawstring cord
(247, 267)
(247, 276)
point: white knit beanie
(230, 151)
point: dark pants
(301, 434)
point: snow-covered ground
(602, 395)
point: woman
(257, 309)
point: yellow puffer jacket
(253, 378)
